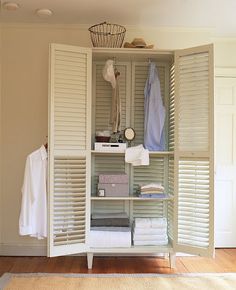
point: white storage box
(110, 147)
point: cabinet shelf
(131, 198)
(151, 153)
(135, 249)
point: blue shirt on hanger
(154, 112)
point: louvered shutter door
(69, 149)
(193, 165)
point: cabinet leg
(172, 258)
(90, 260)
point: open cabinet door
(69, 149)
(193, 159)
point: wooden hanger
(46, 144)
(117, 73)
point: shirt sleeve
(26, 202)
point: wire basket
(107, 35)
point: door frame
(222, 72)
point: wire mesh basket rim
(107, 34)
(108, 24)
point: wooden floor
(224, 261)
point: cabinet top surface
(100, 53)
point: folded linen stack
(110, 230)
(110, 237)
(119, 219)
(152, 190)
(150, 231)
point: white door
(69, 149)
(225, 162)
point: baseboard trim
(34, 250)
(22, 250)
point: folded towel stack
(152, 190)
(110, 219)
(110, 237)
(150, 231)
(110, 230)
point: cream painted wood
(69, 149)
(130, 198)
(225, 161)
(184, 156)
(194, 216)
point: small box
(113, 177)
(114, 184)
(110, 147)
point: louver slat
(108, 206)
(172, 109)
(193, 100)
(148, 209)
(170, 204)
(70, 100)
(69, 201)
(192, 208)
(147, 174)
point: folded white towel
(162, 237)
(109, 239)
(151, 243)
(137, 155)
(158, 222)
(152, 185)
(150, 231)
(150, 223)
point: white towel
(152, 185)
(150, 223)
(151, 231)
(137, 155)
(109, 239)
(151, 243)
(158, 222)
(162, 237)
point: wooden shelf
(135, 249)
(131, 198)
(151, 153)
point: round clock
(129, 134)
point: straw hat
(137, 43)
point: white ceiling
(219, 15)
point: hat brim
(130, 45)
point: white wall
(24, 80)
(225, 49)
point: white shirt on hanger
(33, 216)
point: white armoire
(79, 105)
